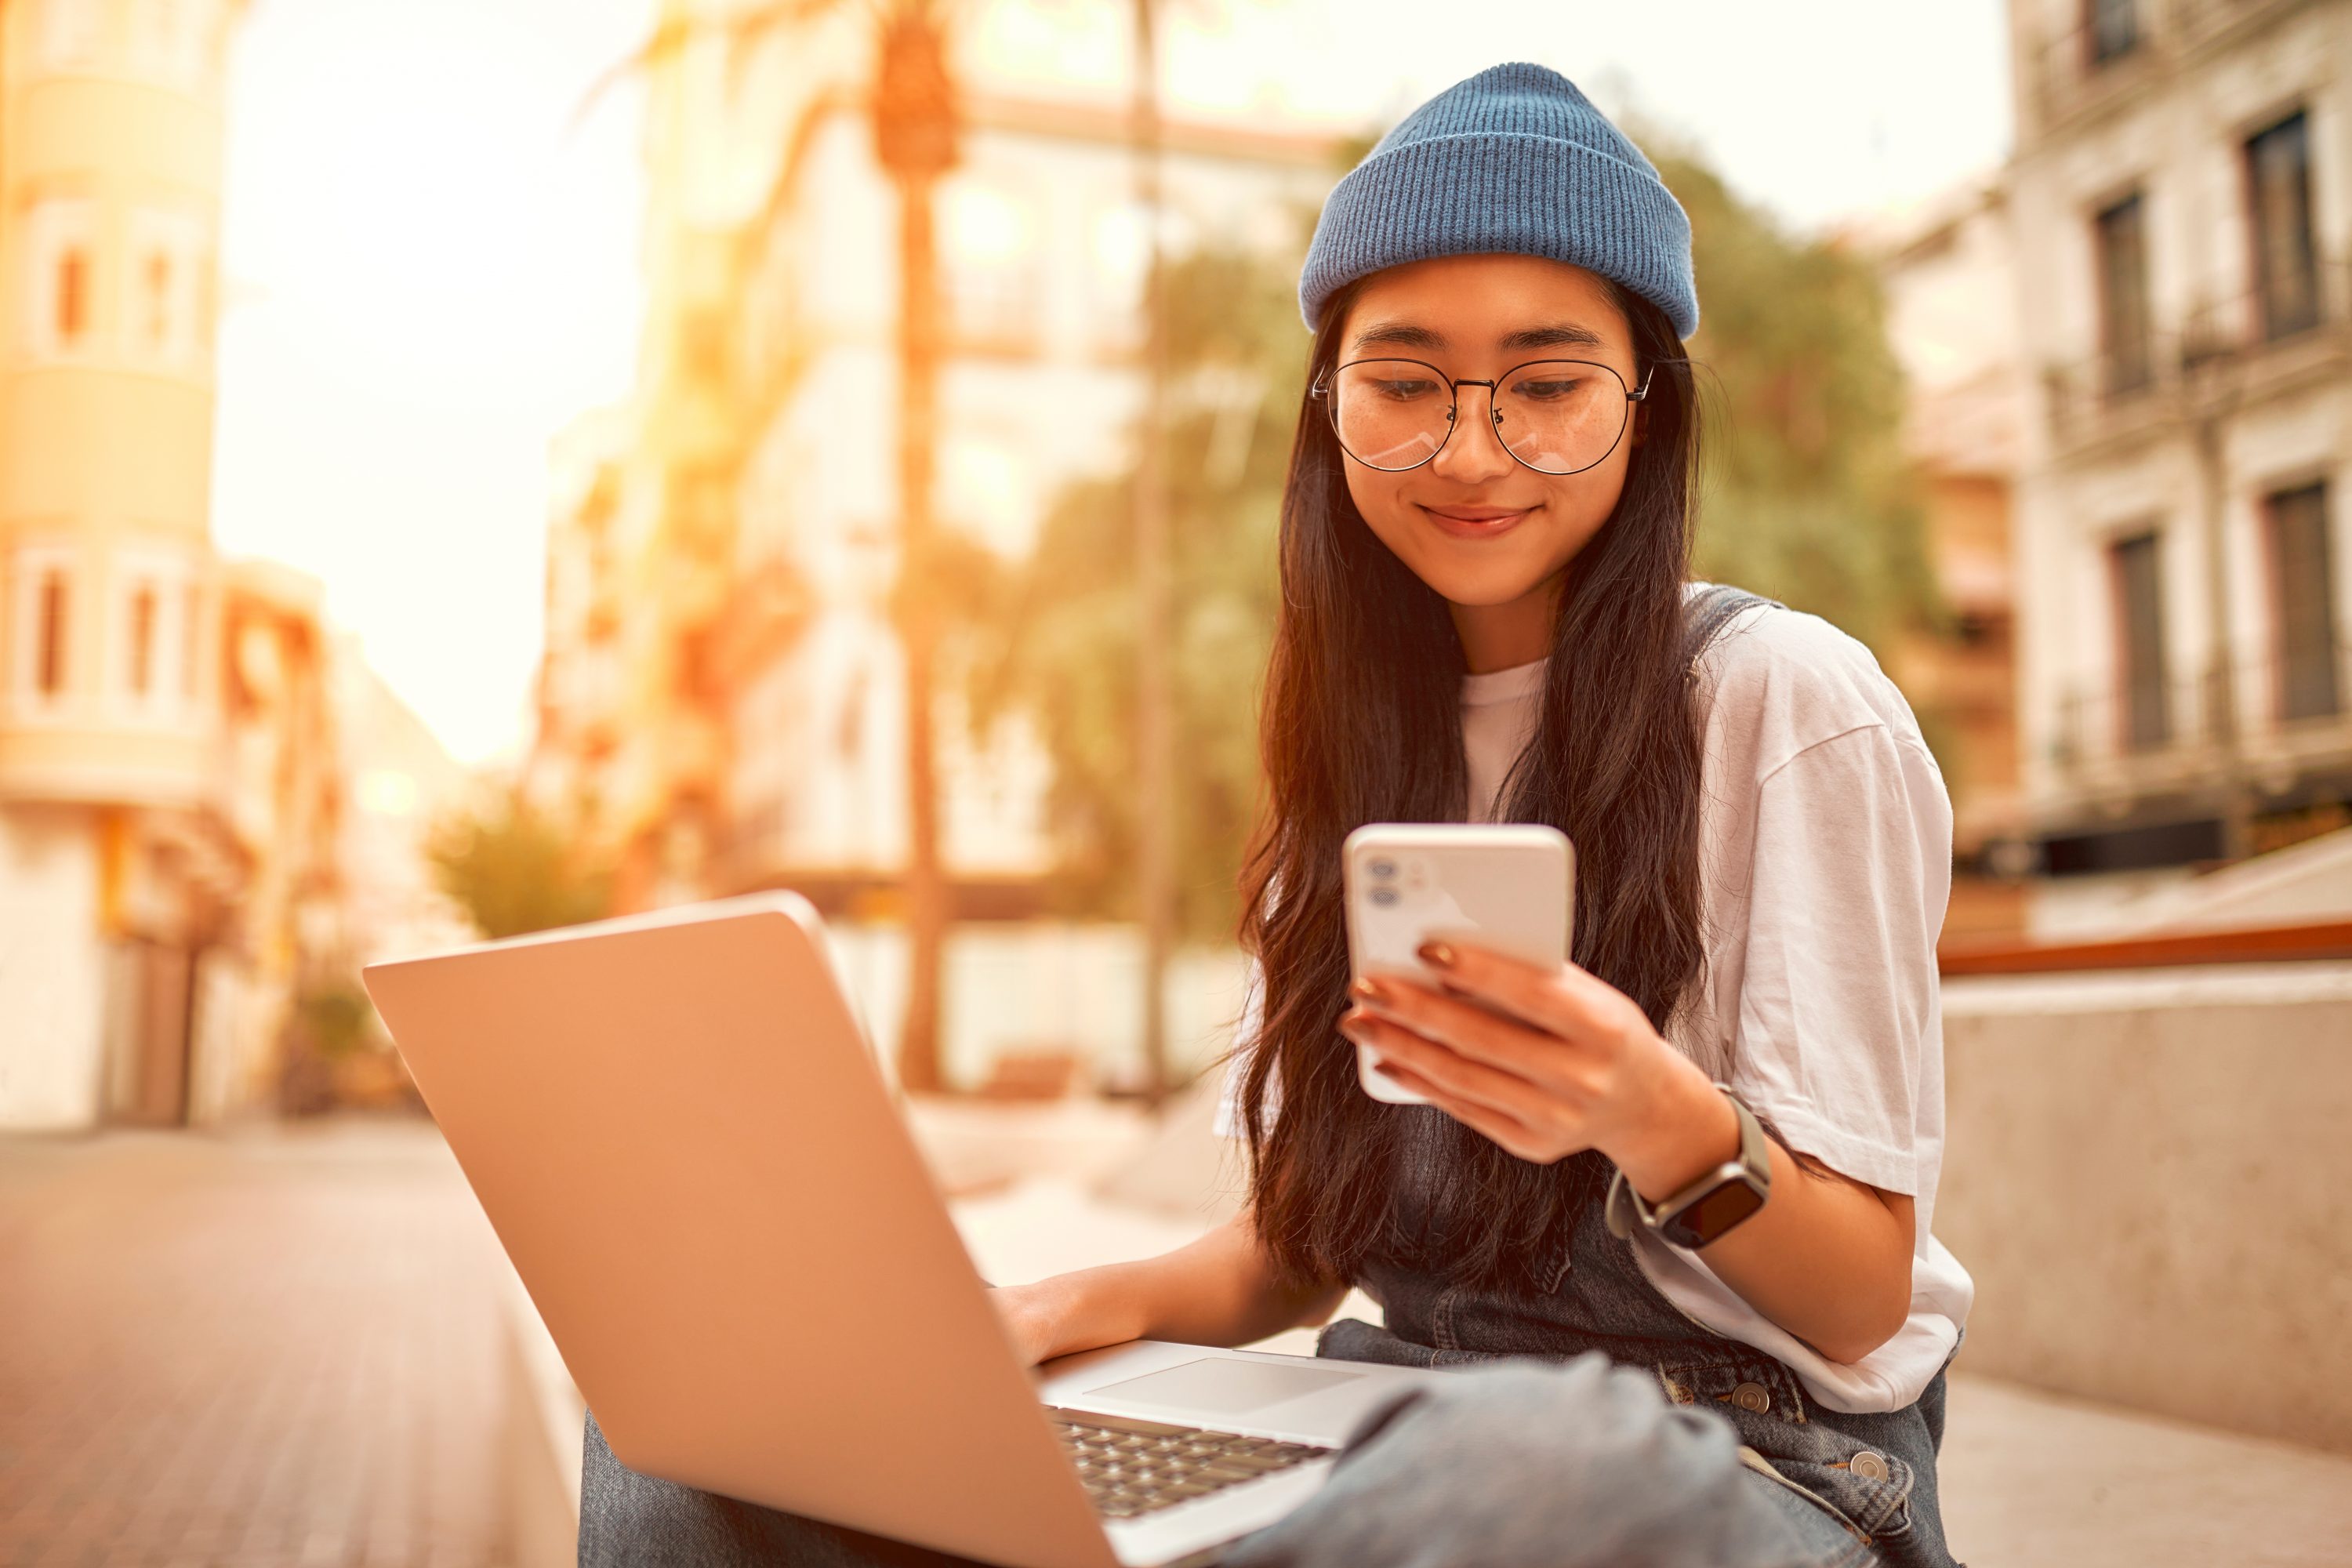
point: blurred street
(275, 1350)
(300, 1347)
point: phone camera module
(1384, 896)
(1383, 867)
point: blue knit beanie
(1514, 158)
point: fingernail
(1436, 955)
(1352, 1024)
(1365, 986)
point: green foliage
(337, 1019)
(1807, 498)
(1807, 495)
(1063, 648)
(512, 870)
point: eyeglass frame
(1321, 390)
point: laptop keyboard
(1132, 1468)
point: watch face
(1712, 1214)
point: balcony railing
(2076, 69)
(2213, 352)
(2083, 64)
(2270, 703)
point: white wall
(1046, 986)
(52, 988)
(2146, 1173)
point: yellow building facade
(166, 802)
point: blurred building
(721, 704)
(2181, 197)
(398, 780)
(1950, 276)
(171, 798)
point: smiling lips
(1475, 522)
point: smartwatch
(1708, 1208)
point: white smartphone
(1509, 887)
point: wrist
(1688, 1128)
(1096, 1308)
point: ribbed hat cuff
(1489, 191)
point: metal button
(1869, 1465)
(1752, 1397)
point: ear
(1641, 423)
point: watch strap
(1625, 1209)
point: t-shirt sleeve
(1838, 1011)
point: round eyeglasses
(1554, 416)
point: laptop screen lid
(680, 1138)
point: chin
(1481, 585)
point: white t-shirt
(1825, 853)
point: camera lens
(1384, 896)
(1383, 867)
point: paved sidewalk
(288, 1349)
(2034, 1480)
(278, 1349)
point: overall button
(1752, 1397)
(1869, 1465)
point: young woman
(1485, 615)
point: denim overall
(1876, 1473)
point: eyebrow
(1406, 335)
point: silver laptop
(680, 1135)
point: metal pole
(915, 134)
(1155, 701)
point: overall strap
(1708, 611)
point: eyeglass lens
(1556, 416)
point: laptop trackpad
(1219, 1386)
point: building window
(61, 264)
(2286, 259)
(992, 255)
(2303, 575)
(142, 641)
(2110, 29)
(2120, 236)
(70, 33)
(2140, 683)
(167, 251)
(156, 282)
(49, 629)
(170, 41)
(73, 297)
(1118, 269)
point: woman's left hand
(1546, 1062)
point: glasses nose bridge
(1454, 421)
(1455, 387)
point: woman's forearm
(1827, 1258)
(1547, 1062)
(1219, 1290)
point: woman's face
(1482, 529)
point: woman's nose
(1474, 448)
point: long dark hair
(1362, 723)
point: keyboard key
(1131, 1467)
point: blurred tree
(1806, 498)
(916, 122)
(916, 126)
(512, 870)
(1059, 638)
